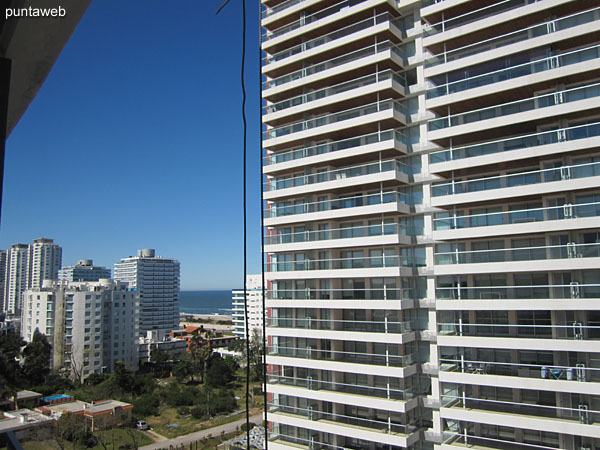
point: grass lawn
(121, 438)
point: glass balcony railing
(517, 179)
(542, 29)
(275, 184)
(570, 250)
(536, 66)
(305, 20)
(576, 331)
(317, 42)
(300, 443)
(577, 372)
(517, 143)
(567, 211)
(372, 359)
(342, 203)
(371, 262)
(375, 293)
(385, 229)
(530, 104)
(384, 426)
(579, 415)
(336, 89)
(330, 147)
(470, 439)
(572, 291)
(280, 7)
(335, 62)
(364, 326)
(341, 116)
(318, 385)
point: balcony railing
(573, 290)
(524, 34)
(275, 184)
(362, 262)
(335, 62)
(330, 147)
(317, 385)
(280, 7)
(329, 119)
(372, 359)
(568, 211)
(387, 426)
(336, 89)
(517, 143)
(297, 442)
(517, 179)
(384, 229)
(582, 414)
(536, 66)
(337, 34)
(379, 293)
(570, 250)
(506, 109)
(577, 372)
(342, 203)
(364, 326)
(469, 439)
(576, 330)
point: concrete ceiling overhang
(33, 45)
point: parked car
(141, 425)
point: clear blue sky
(134, 141)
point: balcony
(468, 440)
(343, 207)
(524, 34)
(355, 389)
(322, 150)
(371, 359)
(521, 70)
(578, 372)
(267, 11)
(352, 57)
(382, 293)
(276, 184)
(576, 330)
(572, 291)
(531, 141)
(363, 326)
(310, 44)
(517, 179)
(330, 119)
(336, 89)
(507, 109)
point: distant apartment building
(255, 307)
(3, 258)
(157, 281)
(27, 265)
(91, 325)
(84, 270)
(45, 259)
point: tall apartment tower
(254, 302)
(3, 258)
(157, 280)
(90, 325)
(431, 220)
(45, 259)
(84, 270)
(16, 278)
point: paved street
(192, 437)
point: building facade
(90, 325)
(16, 278)
(84, 270)
(255, 307)
(431, 223)
(157, 281)
(45, 258)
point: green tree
(146, 405)
(182, 370)
(256, 355)
(200, 354)
(36, 359)
(11, 378)
(219, 373)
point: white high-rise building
(157, 281)
(255, 307)
(45, 259)
(432, 223)
(90, 325)
(16, 278)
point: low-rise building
(159, 341)
(27, 425)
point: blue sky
(134, 141)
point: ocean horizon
(205, 302)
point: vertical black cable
(245, 225)
(262, 236)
